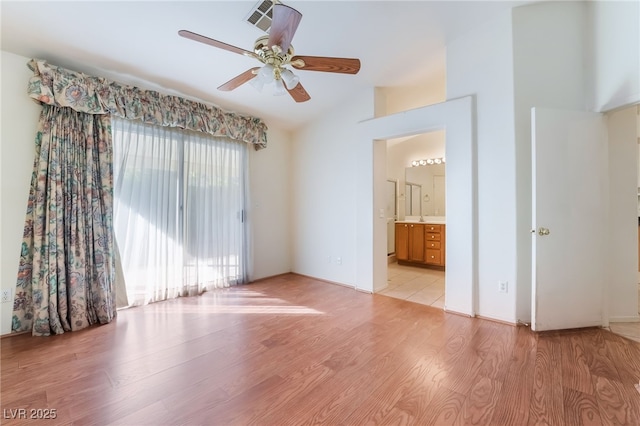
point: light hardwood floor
(630, 330)
(426, 286)
(292, 350)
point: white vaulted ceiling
(398, 43)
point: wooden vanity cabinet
(434, 243)
(410, 242)
(416, 242)
(420, 243)
(402, 241)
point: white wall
(548, 65)
(623, 228)
(432, 89)
(615, 59)
(19, 118)
(427, 145)
(270, 211)
(270, 178)
(325, 156)
(551, 54)
(480, 64)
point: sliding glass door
(180, 200)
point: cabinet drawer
(433, 245)
(433, 257)
(432, 228)
(431, 236)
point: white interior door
(570, 212)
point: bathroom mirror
(431, 178)
(413, 197)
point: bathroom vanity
(421, 243)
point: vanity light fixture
(428, 161)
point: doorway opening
(416, 267)
(457, 117)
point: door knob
(543, 231)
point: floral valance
(95, 95)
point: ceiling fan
(276, 53)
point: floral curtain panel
(67, 273)
(54, 85)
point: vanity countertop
(432, 220)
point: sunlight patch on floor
(238, 309)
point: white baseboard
(457, 311)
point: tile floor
(426, 286)
(415, 284)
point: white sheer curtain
(179, 208)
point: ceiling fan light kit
(279, 89)
(274, 72)
(290, 79)
(276, 53)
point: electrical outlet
(5, 295)
(339, 260)
(503, 286)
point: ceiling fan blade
(283, 26)
(215, 43)
(239, 80)
(326, 64)
(299, 94)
